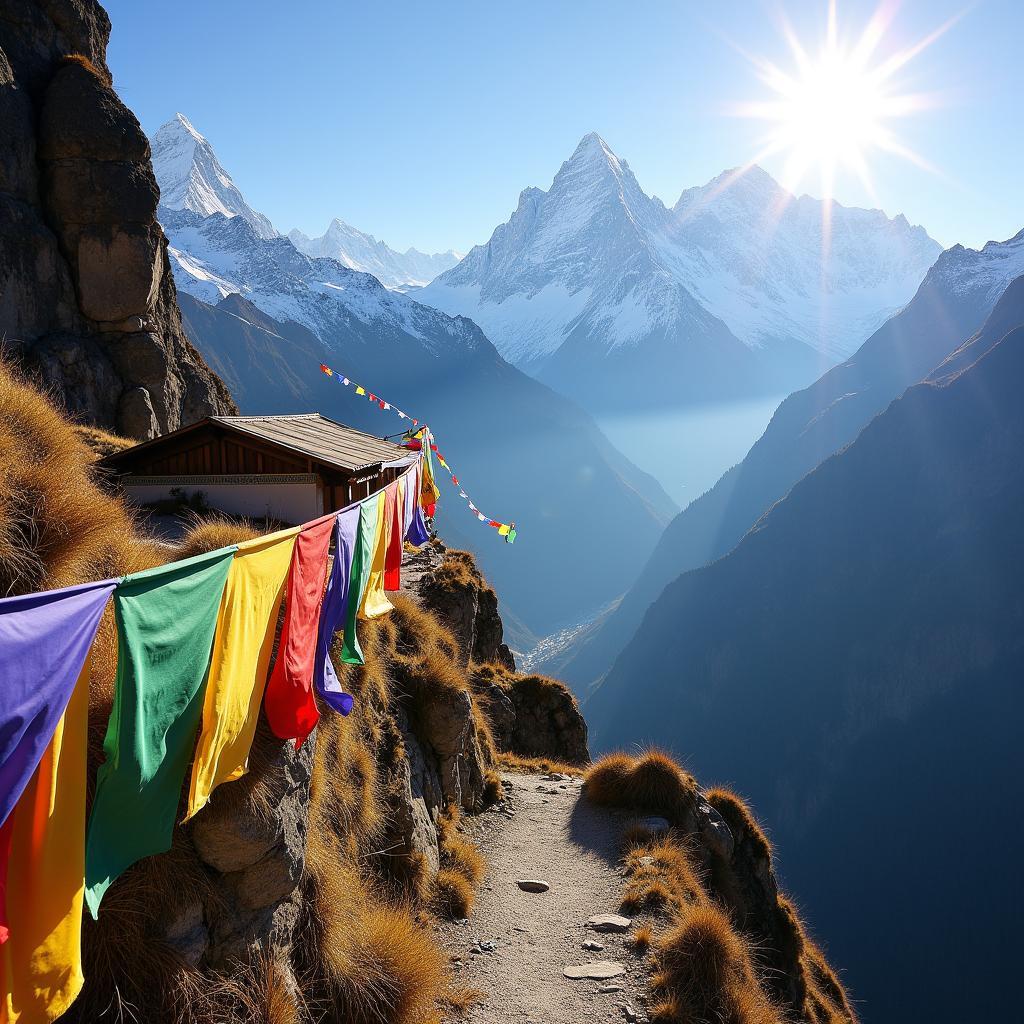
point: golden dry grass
(738, 816)
(453, 895)
(460, 1001)
(371, 962)
(704, 972)
(457, 570)
(83, 62)
(102, 442)
(651, 781)
(535, 765)
(660, 878)
(57, 527)
(643, 938)
(209, 534)
(493, 790)
(457, 852)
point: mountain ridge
(193, 179)
(952, 303)
(853, 666)
(594, 269)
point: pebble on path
(532, 884)
(599, 969)
(609, 923)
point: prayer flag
(165, 622)
(360, 391)
(326, 369)
(345, 381)
(394, 499)
(416, 533)
(41, 964)
(238, 666)
(333, 611)
(351, 652)
(375, 601)
(289, 702)
(44, 641)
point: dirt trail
(556, 836)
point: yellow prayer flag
(375, 601)
(242, 647)
(41, 962)
(360, 391)
(503, 529)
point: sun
(834, 108)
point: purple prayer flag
(333, 609)
(44, 641)
(416, 534)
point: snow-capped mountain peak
(595, 266)
(360, 251)
(191, 177)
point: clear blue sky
(421, 122)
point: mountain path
(554, 835)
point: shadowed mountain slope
(521, 451)
(854, 665)
(954, 301)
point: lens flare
(833, 108)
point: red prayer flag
(325, 369)
(373, 397)
(493, 523)
(289, 702)
(393, 510)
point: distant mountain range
(358, 251)
(265, 315)
(954, 300)
(611, 297)
(192, 179)
(854, 666)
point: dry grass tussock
(57, 527)
(713, 960)
(211, 533)
(650, 781)
(369, 961)
(458, 570)
(102, 442)
(454, 888)
(704, 972)
(535, 765)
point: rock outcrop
(449, 583)
(530, 715)
(533, 716)
(87, 301)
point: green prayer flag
(362, 558)
(166, 619)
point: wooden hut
(291, 468)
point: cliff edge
(88, 305)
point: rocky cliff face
(87, 301)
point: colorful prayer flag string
(506, 530)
